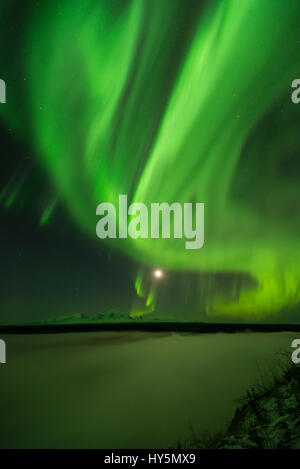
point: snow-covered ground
(270, 419)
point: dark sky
(52, 271)
(56, 270)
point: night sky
(162, 100)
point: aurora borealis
(169, 103)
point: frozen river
(127, 389)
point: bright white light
(158, 273)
